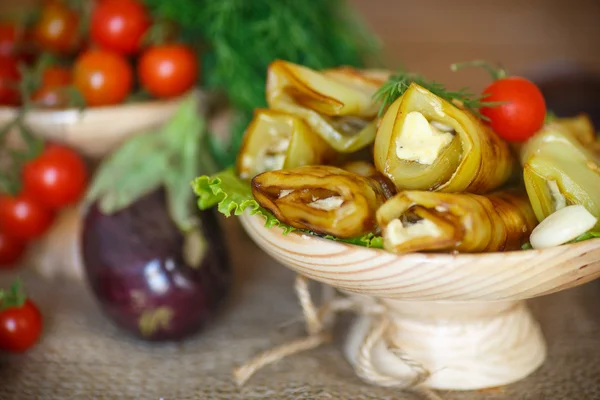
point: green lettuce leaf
(231, 195)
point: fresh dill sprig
(240, 38)
(398, 83)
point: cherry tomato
(57, 29)
(24, 218)
(56, 178)
(168, 71)
(102, 77)
(119, 25)
(524, 110)
(20, 327)
(11, 250)
(51, 92)
(9, 81)
(8, 39)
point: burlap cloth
(82, 356)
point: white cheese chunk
(397, 233)
(558, 200)
(421, 141)
(274, 155)
(284, 193)
(562, 226)
(327, 204)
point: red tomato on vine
(521, 108)
(168, 70)
(56, 178)
(23, 217)
(119, 25)
(20, 321)
(102, 77)
(57, 29)
(515, 108)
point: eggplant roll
(368, 170)
(336, 103)
(558, 171)
(323, 199)
(277, 140)
(427, 143)
(432, 221)
(582, 129)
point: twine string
(319, 322)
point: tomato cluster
(105, 58)
(55, 179)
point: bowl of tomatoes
(77, 79)
(91, 77)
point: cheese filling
(274, 156)
(558, 200)
(422, 141)
(327, 204)
(397, 233)
(284, 193)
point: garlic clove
(562, 226)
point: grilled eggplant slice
(336, 103)
(559, 170)
(323, 199)
(432, 221)
(277, 140)
(427, 143)
(368, 170)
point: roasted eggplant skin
(461, 222)
(581, 128)
(556, 156)
(368, 170)
(271, 128)
(323, 199)
(337, 103)
(475, 161)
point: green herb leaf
(169, 157)
(134, 170)
(398, 83)
(586, 236)
(495, 72)
(550, 116)
(241, 38)
(180, 199)
(234, 196)
(14, 297)
(368, 240)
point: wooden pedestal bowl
(463, 316)
(97, 131)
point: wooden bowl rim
(441, 257)
(40, 113)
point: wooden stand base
(465, 346)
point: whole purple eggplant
(138, 270)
